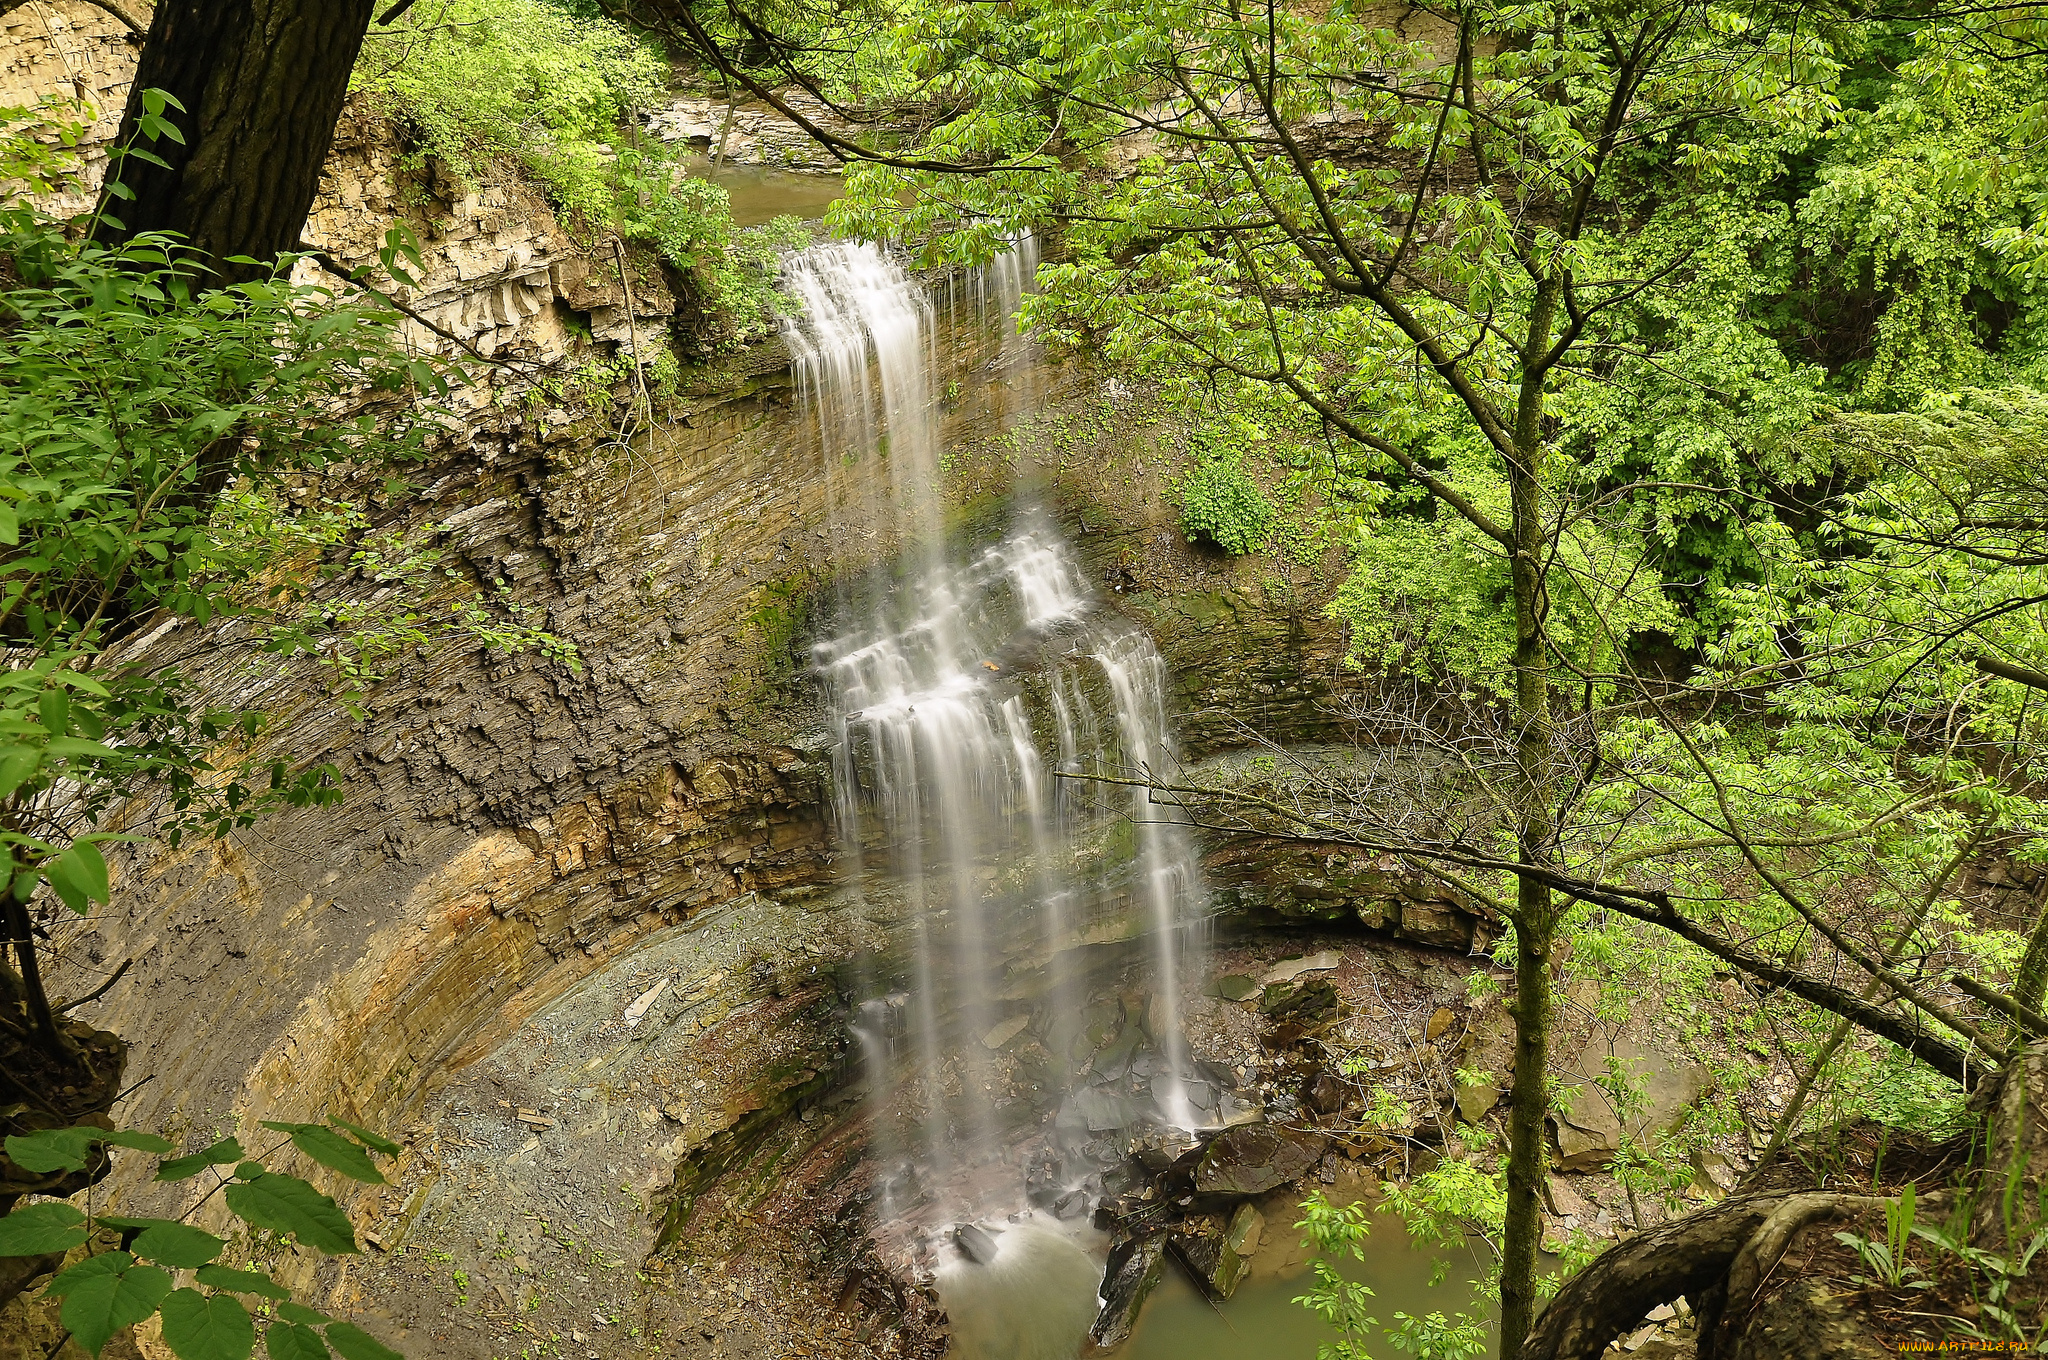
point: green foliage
(1338, 1232)
(34, 1229)
(1436, 1337)
(558, 93)
(1222, 504)
(108, 1291)
(477, 81)
(1887, 1260)
(207, 1326)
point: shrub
(1222, 504)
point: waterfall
(963, 685)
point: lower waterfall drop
(982, 703)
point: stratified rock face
(69, 50)
(751, 133)
(1321, 884)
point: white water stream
(962, 686)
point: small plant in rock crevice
(1221, 503)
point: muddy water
(1036, 1299)
(759, 193)
(1261, 1321)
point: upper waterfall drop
(974, 693)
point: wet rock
(1160, 1153)
(1045, 1178)
(1199, 1246)
(1303, 1003)
(1235, 986)
(1247, 1225)
(976, 1244)
(1072, 1204)
(1134, 1271)
(1323, 1093)
(1113, 1063)
(1254, 1159)
(1003, 1033)
(1096, 1110)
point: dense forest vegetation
(1658, 394)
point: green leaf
(184, 1168)
(48, 1150)
(242, 1281)
(72, 876)
(16, 766)
(103, 1294)
(287, 1204)
(376, 1142)
(356, 1344)
(207, 1326)
(249, 1170)
(289, 1341)
(33, 1229)
(299, 1312)
(136, 1138)
(55, 709)
(80, 877)
(331, 1150)
(177, 1244)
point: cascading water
(963, 687)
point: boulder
(1235, 986)
(1246, 1227)
(1303, 1003)
(1589, 1131)
(1438, 923)
(1287, 970)
(1203, 1245)
(1093, 1109)
(1134, 1270)
(976, 1244)
(1476, 1100)
(1006, 1031)
(1255, 1158)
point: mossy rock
(1233, 986)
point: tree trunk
(262, 83)
(2031, 980)
(1683, 1257)
(1535, 914)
